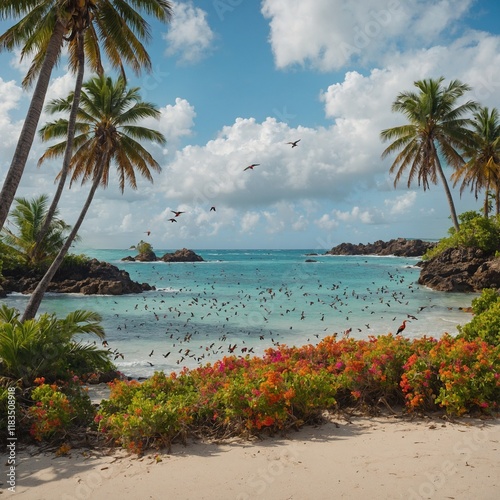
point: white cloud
(189, 35)
(330, 34)
(10, 98)
(402, 204)
(326, 222)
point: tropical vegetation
(438, 128)
(22, 237)
(476, 231)
(108, 135)
(43, 30)
(286, 388)
(482, 169)
(49, 346)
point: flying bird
(251, 167)
(294, 143)
(212, 209)
(176, 213)
(148, 232)
(172, 220)
(401, 328)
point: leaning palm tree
(27, 218)
(107, 135)
(45, 26)
(482, 168)
(437, 129)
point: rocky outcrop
(91, 277)
(400, 247)
(183, 255)
(461, 270)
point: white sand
(367, 458)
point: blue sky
(237, 79)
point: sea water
(242, 302)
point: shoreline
(355, 457)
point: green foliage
(476, 231)
(28, 217)
(291, 386)
(485, 324)
(143, 247)
(46, 346)
(454, 374)
(58, 409)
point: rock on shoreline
(461, 270)
(89, 278)
(400, 247)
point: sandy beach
(357, 457)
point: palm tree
(28, 217)
(45, 26)
(437, 129)
(106, 135)
(482, 168)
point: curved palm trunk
(69, 141)
(28, 131)
(454, 217)
(37, 296)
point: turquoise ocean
(244, 301)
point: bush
(485, 324)
(45, 346)
(290, 386)
(475, 231)
(58, 410)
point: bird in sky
(148, 232)
(212, 209)
(172, 220)
(251, 167)
(176, 213)
(294, 143)
(401, 328)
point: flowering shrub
(288, 386)
(454, 374)
(57, 409)
(469, 373)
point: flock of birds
(193, 325)
(203, 325)
(177, 213)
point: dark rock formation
(90, 277)
(183, 255)
(461, 270)
(147, 257)
(400, 248)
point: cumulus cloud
(189, 35)
(330, 34)
(402, 204)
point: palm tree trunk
(69, 141)
(28, 131)
(454, 217)
(486, 207)
(37, 296)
